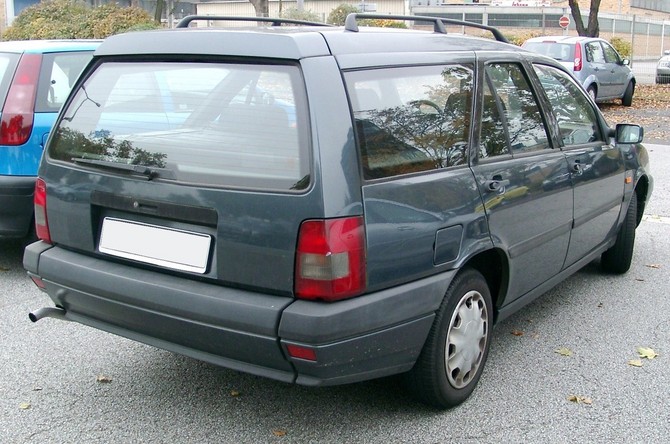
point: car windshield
(238, 125)
(559, 51)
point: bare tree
(593, 28)
(262, 8)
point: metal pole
(632, 41)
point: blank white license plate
(153, 244)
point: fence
(649, 36)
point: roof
(42, 46)
(286, 42)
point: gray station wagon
(325, 205)
(603, 73)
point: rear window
(214, 124)
(564, 52)
(57, 76)
(8, 62)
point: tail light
(17, 114)
(330, 259)
(41, 223)
(578, 57)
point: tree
(593, 29)
(338, 15)
(262, 7)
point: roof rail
(351, 24)
(275, 21)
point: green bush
(519, 38)
(338, 15)
(383, 23)
(623, 47)
(295, 14)
(74, 19)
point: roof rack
(275, 21)
(351, 24)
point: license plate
(153, 244)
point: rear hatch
(195, 167)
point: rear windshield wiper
(141, 170)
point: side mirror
(625, 62)
(666, 52)
(626, 133)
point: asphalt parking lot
(65, 383)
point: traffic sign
(564, 21)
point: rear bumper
(354, 340)
(16, 205)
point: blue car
(35, 79)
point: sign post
(564, 22)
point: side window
(576, 117)
(525, 126)
(610, 54)
(411, 119)
(594, 52)
(58, 73)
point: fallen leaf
(580, 399)
(635, 362)
(653, 266)
(563, 351)
(24, 406)
(647, 353)
(37, 389)
(234, 393)
(639, 280)
(103, 379)
(279, 432)
(516, 332)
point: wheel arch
(642, 191)
(493, 264)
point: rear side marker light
(40, 200)
(299, 352)
(330, 259)
(17, 114)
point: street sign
(564, 21)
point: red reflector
(330, 259)
(296, 351)
(39, 282)
(40, 200)
(17, 114)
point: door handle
(576, 166)
(496, 184)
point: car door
(618, 71)
(524, 182)
(597, 66)
(596, 167)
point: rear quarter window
(8, 62)
(215, 124)
(411, 119)
(57, 77)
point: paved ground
(50, 392)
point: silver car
(663, 68)
(603, 73)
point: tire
(627, 99)
(619, 257)
(591, 90)
(453, 357)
